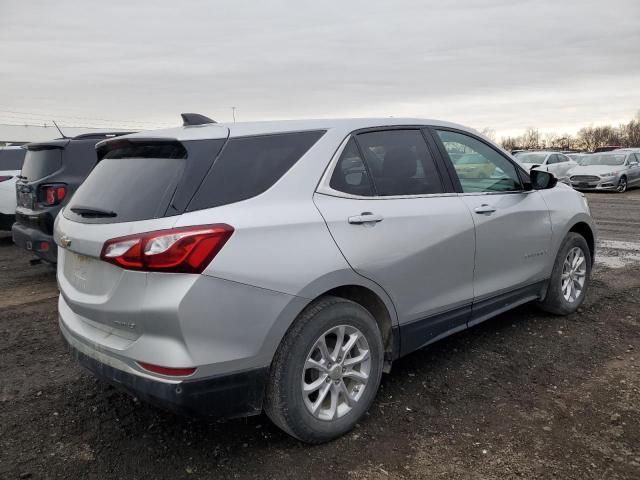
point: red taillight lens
(179, 250)
(4, 178)
(172, 372)
(54, 194)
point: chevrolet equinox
(226, 269)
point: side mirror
(633, 164)
(541, 180)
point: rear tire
(570, 277)
(316, 396)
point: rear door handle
(365, 217)
(484, 208)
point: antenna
(63, 135)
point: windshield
(532, 157)
(604, 159)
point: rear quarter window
(248, 166)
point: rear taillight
(4, 178)
(53, 194)
(179, 250)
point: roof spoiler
(189, 119)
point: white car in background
(11, 159)
(553, 162)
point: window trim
(325, 188)
(522, 174)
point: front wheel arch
(583, 229)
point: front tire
(326, 372)
(622, 185)
(570, 276)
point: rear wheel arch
(371, 301)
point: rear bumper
(32, 239)
(6, 220)
(225, 396)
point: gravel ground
(525, 395)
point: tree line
(586, 139)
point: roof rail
(85, 136)
(195, 119)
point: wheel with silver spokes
(326, 371)
(336, 372)
(569, 280)
(622, 185)
(574, 274)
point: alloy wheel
(622, 185)
(336, 372)
(574, 274)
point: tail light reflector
(53, 194)
(171, 372)
(178, 250)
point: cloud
(503, 64)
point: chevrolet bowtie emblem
(65, 241)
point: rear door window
(248, 166)
(131, 182)
(11, 158)
(41, 163)
(400, 163)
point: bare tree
(587, 138)
(489, 132)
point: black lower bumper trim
(227, 396)
(30, 238)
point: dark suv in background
(51, 173)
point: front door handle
(484, 208)
(365, 217)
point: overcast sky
(504, 64)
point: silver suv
(283, 266)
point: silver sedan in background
(578, 157)
(616, 171)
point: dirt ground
(525, 395)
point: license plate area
(80, 270)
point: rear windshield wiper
(93, 212)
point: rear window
(11, 158)
(40, 163)
(131, 182)
(248, 166)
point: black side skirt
(420, 333)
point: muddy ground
(525, 395)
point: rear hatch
(40, 163)
(139, 185)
